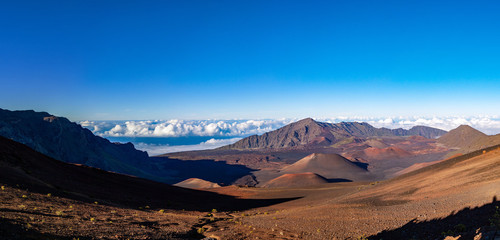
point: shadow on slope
(207, 169)
(10, 229)
(337, 180)
(462, 224)
(24, 168)
(17, 230)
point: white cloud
(488, 125)
(238, 128)
(177, 128)
(157, 149)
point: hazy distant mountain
(66, 141)
(308, 132)
(468, 139)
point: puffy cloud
(178, 128)
(238, 128)
(488, 125)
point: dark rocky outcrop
(61, 139)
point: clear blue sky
(250, 59)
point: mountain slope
(310, 133)
(296, 180)
(331, 166)
(306, 131)
(462, 137)
(25, 168)
(196, 183)
(66, 141)
(455, 175)
(391, 152)
(468, 139)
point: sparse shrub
(24, 196)
(448, 233)
(96, 203)
(362, 237)
(214, 210)
(49, 194)
(200, 230)
(161, 211)
(495, 219)
(59, 213)
(3, 188)
(460, 228)
(92, 219)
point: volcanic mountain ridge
(61, 139)
(308, 132)
(467, 139)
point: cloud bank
(241, 128)
(157, 149)
(181, 128)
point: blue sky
(116, 60)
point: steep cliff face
(66, 141)
(308, 132)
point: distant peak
(467, 128)
(307, 120)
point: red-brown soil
(291, 180)
(87, 203)
(330, 166)
(385, 153)
(196, 183)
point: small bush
(362, 237)
(495, 219)
(460, 228)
